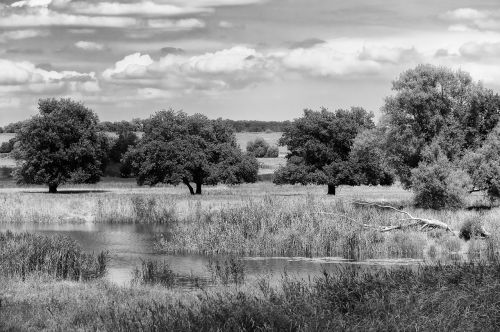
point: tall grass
(24, 254)
(459, 297)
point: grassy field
(253, 219)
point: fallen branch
(424, 223)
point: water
(128, 245)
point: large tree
(177, 148)
(436, 106)
(320, 146)
(60, 145)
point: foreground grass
(457, 297)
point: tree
(320, 143)
(126, 139)
(60, 145)
(177, 148)
(435, 105)
(483, 165)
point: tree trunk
(198, 188)
(52, 188)
(331, 189)
(191, 190)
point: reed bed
(310, 226)
(458, 297)
(25, 254)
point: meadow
(49, 283)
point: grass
(458, 297)
(25, 254)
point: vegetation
(177, 148)
(60, 145)
(125, 141)
(437, 108)
(439, 297)
(320, 144)
(7, 147)
(259, 148)
(25, 254)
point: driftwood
(416, 222)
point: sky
(236, 59)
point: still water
(128, 245)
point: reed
(25, 254)
(453, 297)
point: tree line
(439, 135)
(138, 125)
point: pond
(130, 244)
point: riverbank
(453, 297)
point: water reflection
(129, 244)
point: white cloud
(24, 76)
(176, 25)
(476, 51)
(89, 46)
(141, 8)
(469, 19)
(22, 34)
(226, 24)
(132, 66)
(41, 16)
(31, 3)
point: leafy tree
(261, 149)
(126, 140)
(7, 147)
(438, 183)
(320, 143)
(483, 165)
(60, 145)
(367, 158)
(177, 148)
(434, 105)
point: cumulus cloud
(89, 46)
(25, 76)
(307, 43)
(236, 67)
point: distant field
(5, 137)
(271, 138)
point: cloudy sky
(238, 59)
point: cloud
(171, 50)
(141, 8)
(22, 34)
(232, 68)
(476, 51)
(307, 43)
(467, 19)
(41, 16)
(25, 76)
(89, 46)
(225, 24)
(132, 66)
(176, 25)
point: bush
(261, 149)
(7, 147)
(439, 184)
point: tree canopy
(436, 105)
(177, 148)
(320, 145)
(60, 145)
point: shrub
(261, 149)
(438, 184)
(7, 147)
